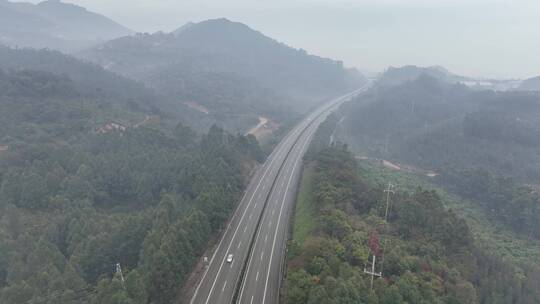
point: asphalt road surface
(257, 232)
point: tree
(336, 224)
(391, 295)
(299, 287)
(135, 287)
(111, 292)
(17, 293)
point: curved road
(258, 230)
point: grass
(488, 234)
(304, 216)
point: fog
(490, 38)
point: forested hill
(95, 175)
(396, 76)
(426, 253)
(436, 125)
(54, 24)
(89, 78)
(531, 84)
(483, 144)
(224, 64)
(95, 85)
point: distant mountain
(531, 84)
(226, 64)
(396, 76)
(56, 25)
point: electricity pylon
(372, 272)
(119, 273)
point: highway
(258, 230)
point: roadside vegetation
(80, 191)
(427, 254)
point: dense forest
(425, 252)
(95, 83)
(89, 177)
(483, 144)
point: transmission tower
(119, 272)
(372, 272)
(388, 191)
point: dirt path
(263, 128)
(262, 122)
(197, 107)
(144, 121)
(400, 167)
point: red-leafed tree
(373, 243)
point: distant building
(112, 126)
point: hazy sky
(493, 38)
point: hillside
(396, 76)
(54, 24)
(226, 66)
(531, 84)
(426, 253)
(98, 83)
(432, 124)
(95, 170)
(483, 144)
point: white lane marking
(251, 258)
(239, 244)
(279, 217)
(257, 237)
(245, 228)
(234, 235)
(257, 277)
(224, 285)
(249, 263)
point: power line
(374, 241)
(388, 191)
(372, 272)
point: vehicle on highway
(230, 258)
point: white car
(230, 258)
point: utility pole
(372, 272)
(119, 273)
(374, 241)
(373, 244)
(388, 191)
